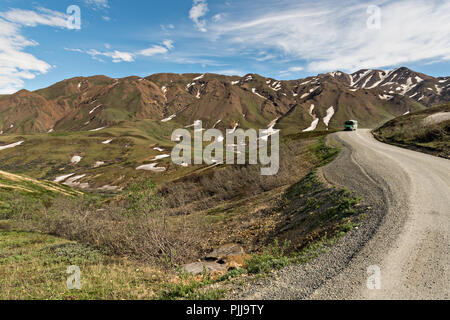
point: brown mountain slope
(425, 89)
(28, 112)
(81, 104)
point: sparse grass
(323, 152)
(19, 193)
(190, 287)
(33, 266)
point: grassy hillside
(427, 131)
(13, 187)
(131, 144)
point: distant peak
(23, 92)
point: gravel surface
(405, 234)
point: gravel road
(405, 236)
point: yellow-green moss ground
(34, 266)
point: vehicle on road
(351, 125)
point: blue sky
(282, 39)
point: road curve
(405, 236)
(411, 245)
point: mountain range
(314, 103)
(98, 132)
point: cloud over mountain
(330, 37)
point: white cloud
(31, 18)
(198, 11)
(119, 56)
(97, 3)
(124, 56)
(168, 44)
(291, 70)
(153, 50)
(331, 38)
(193, 58)
(116, 56)
(265, 56)
(167, 28)
(230, 72)
(16, 65)
(217, 17)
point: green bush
(273, 258)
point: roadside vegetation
(426, 131)
(131, 246)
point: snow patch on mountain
(311, 109)
(382, 77)
(335, 73)
(196, 123)
(330, 114)
(169, 118)
(75, 159)
(62, 178)
(359, 77)
(73, 182)
(385, 97)
(98, 164)
(276, 86)
(98, 129)
(151, 167)
(93, 110)
(162, 156)
(255, 92)
(199, 77)
(304, 95)
(313, 125)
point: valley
(88, 161)
(118, 125)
